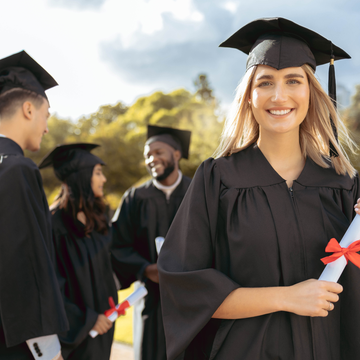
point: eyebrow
(288, 76)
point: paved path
(121, 352)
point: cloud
(173, 56)
(77, 4)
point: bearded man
(145, 214)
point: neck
(11, 131)
(81, 217)
(171, 179)
(283, 152)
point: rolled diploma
(159, 242)
(333, 271)
(129, 301)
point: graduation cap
(178, 139)
(67, 159)
(281, 43)
(21, 71)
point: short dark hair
(12, 99)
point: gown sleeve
(191, 287)
(127, 263)
(30, 298)
(81, 318)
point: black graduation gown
(239, 225)
(87, 283)
(143, 215)
(30, 299)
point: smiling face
(279, 98)
(161, 159)
(98, 180)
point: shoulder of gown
(249, 168)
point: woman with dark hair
(240, 264)
(82, 242)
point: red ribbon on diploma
(350, 252)
(121, 310)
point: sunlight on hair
(241, 129)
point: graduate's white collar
(1, 135)
(168, 190)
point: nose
(46, 130)
(104, 178)
(279, 95)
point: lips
(158, 167)
(279, 112)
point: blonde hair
(241, 129)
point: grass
(124, 324)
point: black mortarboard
(21, 71)
(281, 43)
(178, 139)
(67, 159)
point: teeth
(280, 112)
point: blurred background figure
(82, 243)
(145, 214)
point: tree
(203, 89)
(352, 119)
(121, 132)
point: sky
(105, 51)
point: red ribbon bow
(350, 252)
(120, 310)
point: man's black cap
(178, 139)
(67, 159)
(281, 43)
(20, 70)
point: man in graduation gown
(31, 308)
(146, 213)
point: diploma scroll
(334, 269)
(159, 242)
(113, 313)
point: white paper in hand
(159, 242)
(333, 271)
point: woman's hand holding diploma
(307, 298)
(312, 297)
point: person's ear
(177, 155)
(28, 110)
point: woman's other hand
(311, 297)
(102, 325)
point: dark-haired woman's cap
(177, 139)
(281, 43)
(21, 71)
(67, 159)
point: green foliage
(352, 119)
(121, 132)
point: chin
(156, 175)
(33, 148)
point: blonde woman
(239, 265)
